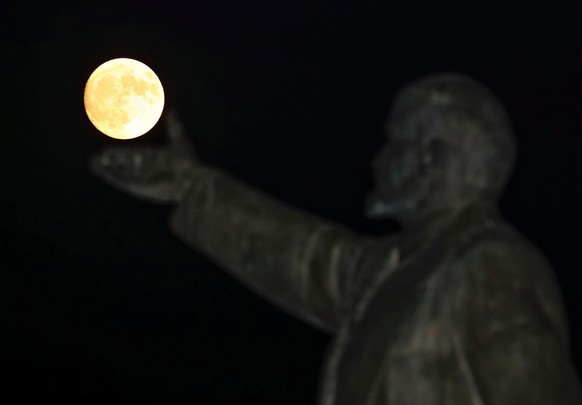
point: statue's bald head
(458, 139)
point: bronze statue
(458, 308)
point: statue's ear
(434, 157)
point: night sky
(99, 300)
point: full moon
(124, 98)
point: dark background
(100, 300)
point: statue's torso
(394, 339)
(402, 343)
(421, 330)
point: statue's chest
(396, 335)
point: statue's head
(450, 143)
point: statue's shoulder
(500, 240)
(504, 277)
(482, 231)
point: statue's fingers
(140, 173)
(120, 164)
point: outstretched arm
(298, 261)
(308, 266)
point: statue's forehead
(403, 126)
(414, 110)
(400, 130)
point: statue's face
(398, 174)
(449, 144)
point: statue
(457, 308)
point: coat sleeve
(296, 260)
(513, 330)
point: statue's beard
(398, 208)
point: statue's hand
(154, 174)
